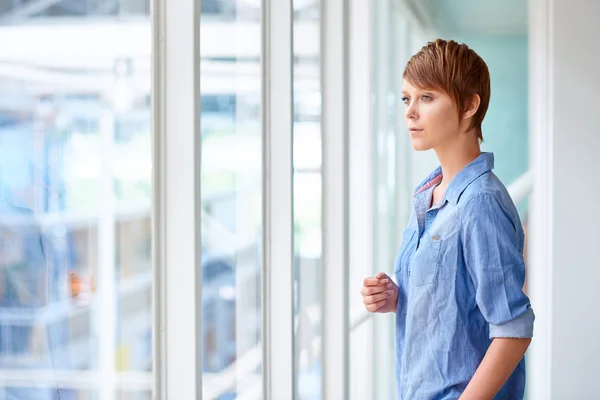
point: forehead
(408, 87)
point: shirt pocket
(425, 265)
(409, 234)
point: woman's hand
(380, 294)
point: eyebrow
(405, 93)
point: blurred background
(76, 186)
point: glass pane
(75, 200)
(231, 180)
(362, 362)
(307, 199)
(40, 11)
(391, 197)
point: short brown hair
(455, 69)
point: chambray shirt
(460, 274)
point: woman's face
(431, 117)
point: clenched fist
(380, 294)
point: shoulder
(487, 197)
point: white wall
(575, 162)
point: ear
(472, 106)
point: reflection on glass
(307, 199)
(231, 180)
(75, 229)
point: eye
(405, 99)
(426, 97)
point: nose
(411, 112)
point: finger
(383, 277)
(371, 282)
(377, 297)
(369, 290)
(376, 306)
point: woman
(463, 322)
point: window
(231, 187)
(307, 203)
(75, 200)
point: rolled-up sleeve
(492, 242)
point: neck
(453, 158)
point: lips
(415, 130)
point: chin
(419, 145)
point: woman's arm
(499, 362)
(492, 252)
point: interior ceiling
(477, 17)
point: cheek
(442, 118)
(433, 117)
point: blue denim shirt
(460, 274)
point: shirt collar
(482, 164)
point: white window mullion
(361, 359)
(385, 48)
(335, 348)
(277, 201)
(176, 198)
(107, 306)
(540, 263)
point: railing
(73, 379)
